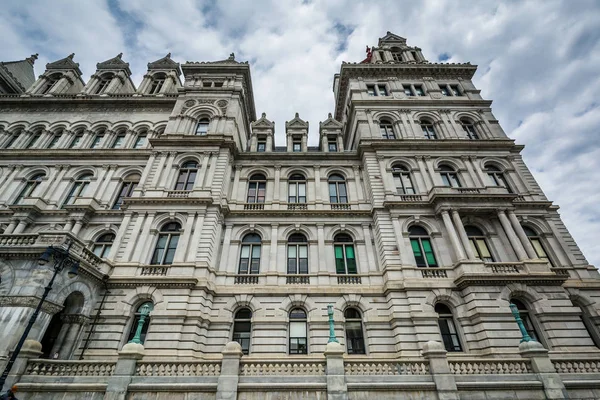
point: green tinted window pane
(539, 250)
(339, 252)
(415, 247)
(340, 267)
(351, 266)
(429, 252)
(349, 251)
(485, 252)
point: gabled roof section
(65, 63)
(391, 38)
(115, 63)
(296, 123)
(18, 75)
(165, 63)
(330, 123)
(263, 123)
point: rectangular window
(97, 141)
(371, 90)
(340, 266)
(297, 147)
(140, 142)
(118, 141)
(419, 90)
(407, 90)
(455, 90)
(445, 91)
(261, 147)
(332, 145)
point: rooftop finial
(297, 115)
(329, 115)
(32, 58)
(120, 55)
(169, 55)
(231, 56)
(264, 115)
(71, 56)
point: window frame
(31, 184)
(400, 175)
(104, 246)
(257, 184)
(78, 188)
(448, 329)
(76, 141)
(428, 129)
(250, 264)
(35, 137)
(298, 183)
(479, 243)
(529, 321)
(386, 129)
(418, 241)
(202, 127)
(164, 253)
(189, 171)
(337, 182)
(496, 177)
(56, 136)
(299, 244)
(351, 341)
(298, 320)
(449, 176)
(14, 136)
(533, 238)
(234, 332)
(347, 264)
(136, 319)
(98, 140)
(141, 140)
(469, 128)
(126, 190)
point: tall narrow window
(97, 140)
(428, 129)
(402, 180)
(157, 83)
(261, 145)
(455, 90)
(33, 140)
(396, 54)
(536, 242)
(386, 129)
(337, 189)
(296, 144)
(355, 341)
(479, 243)
(298, 332)
(30, 186)
(525, 315)
(129, 184)
(469, 128)
(421, 247)
(187, 176)
(448, 328)
(103, 245)
(103, 84)
(332, 144)
(78, 189)
(119, 140)
(496, 177)
(345, 258)
(297, 254)
(136, 319)
(76, 140)
(12, 139)
(250, 254)
(297, 189)
(419, 90)
(407, 90)
(242, 329)
(55, 139)
(257, 187)
(49, 83)
(202, 127)
(164, 251)
(141, 140)
(449, 176)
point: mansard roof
(115, 63)
(18, 75)
(296, 123)
(391, 38)
(65, 63)
(165, 63)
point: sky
(539, 61)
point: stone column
(10, 178)
(141, 253)
(184, 239)
(70, 341)
(68, 226)
(21, 227)
(230, 368)
(77, 227)
(277, 183)
(369, 248)
(120, 233)
(521, 234)
(203, 171)
(340, 143)
(554, 388)
(116, 388)
(318, 199)
(11, 227)
(388, 185)
(439, 368)
(226, 248)
(463, 235)
(269, 144)
(321, 245)
(458, 250)
(359, 191)
(214, 159)
(273, 249)
(512, 236)
(337, 389)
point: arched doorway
(64, 329)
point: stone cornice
(161, 282)
(30, 302)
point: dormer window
(332, 144)
(450, 90)
(396, 54)
(103, 84)
(157, 83)
(419, 90)
(297, 144)
(261, 145)
(49, 84)
(377, 90)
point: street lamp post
(62, 259)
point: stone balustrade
(489, 367)
(260, 368)
(505, 268)
(182, 368)
(434, 273)
(15, 240)
(69, 368)
(154, 270)
(386, 368)
(576, 366)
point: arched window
(337, 189)
(257, 187)
(146, 307)
(525, 315)
(589, 324)
(421, 247)
(30, 186)
(297, 189)
(97, 140)
(250, 254)
(103, 84)
(345, 258)
(119, 140)
(242, 329)
(402, 180)
(297, 254)
(49, 83)
(497, 177)
(164, 251)
(479, 243)
(55, 139)
(428, 129)
(33, 140)
(187, 176)
(129, 184)
(78, 189)
(355, 341)
(76, 139)
(536, 242)
(449, 176)
(448, 328)
(158, 81)
(386, 129)
(469, 128)
(12, 139)
(202, 127)
(298, 332)
(103, 245)
(141, 140)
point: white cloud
(538, 61)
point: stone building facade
(415, 217)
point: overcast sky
(538, 60)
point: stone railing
(297, 279)
(149, 368)
(340, 207)
(179, 193)
(489, 367)
(18, 239)
(349, 280)
(410, 197)
(576, 366)
(258, 368)
(560, 271)
(69, 368)
(246, 279)
(468, 190)
(254, 206)
(434, 273)
(297, 206)
(154, 270)
(386, 368)
(505, 268)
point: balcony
(349, 280)
(340, 206)
(179, 194)
(155, 270)
(83, 204)
(297, 206)
(254, 206)
(246, 279)
(297, 280)
(29, 203)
